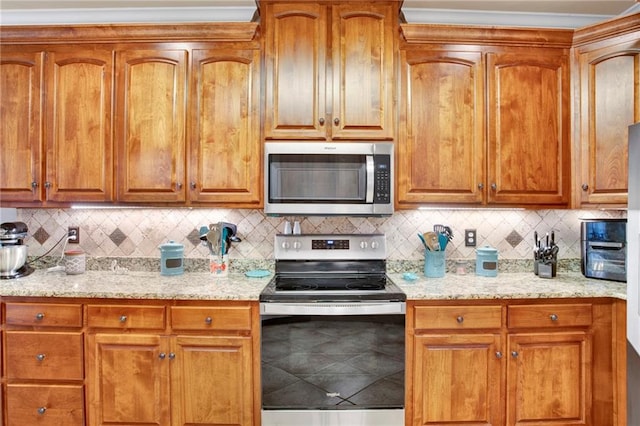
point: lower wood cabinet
(515, 363)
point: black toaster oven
(604, 249)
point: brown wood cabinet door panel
(79, 139)
(528, 116)
(457, 317)
(213, 381)
(126, 317)
(549, 379)
(21, 85)
(457, 380)
(555, 315)
(150, 125)
(441, 146)
(44, 356)
(43, 315)
(225, 145)
(44, 405)
(211, 318)
(296, 46)
(128, 380)
(363, 52)
(610, 103)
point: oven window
(333, 362)
(305, 178)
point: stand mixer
(13, 252)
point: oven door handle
(332, 308)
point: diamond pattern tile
(117, 236)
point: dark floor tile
(300, 394)
(383, 391)
(376, 363)
(274, 378)
(345, 385)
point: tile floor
(333, 362)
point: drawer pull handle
(553, 317)
(514, 354)
(123, 318)
(208, 320)
(42, 410)
(162, 355)
(40, 357)
(460, 319)
(39, 316)
(172, 355)
(499, 355)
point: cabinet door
(295, 55)
(441, 147)
(78, 129)
(610, 103)
(528, 118)
(212, 381)
(150, 125)
(363, 81)
(549, 379)
(225, 143)
(127, 379)
(457, 380)
(21, 85)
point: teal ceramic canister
(171, 258)
(487, 261)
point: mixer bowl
(12, 258)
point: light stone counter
(237, 286)
(136, 285)
(512, 285)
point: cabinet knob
(321, 121)
(123, 318)
(172, 355)
(336, 121)
(162, 355)
(494, 186)
(193, 185)
(42, 410)
(39, 316)
(208, 320)
(460, 319)
(179, 186)
(585, 186)
(34, 185)
(40, 357)
(47, 184)
(481, 186)
(499, 355)
(514, 354)
(553, 317)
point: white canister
(75, 262)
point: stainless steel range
(332, 334)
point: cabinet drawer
(44, 356)
(464, 317)
(213, 318)
(565, 315)
(59, 405)
(125, 316)
(43, 315)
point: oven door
(329, 363)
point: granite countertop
(237, 286)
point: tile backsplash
(137, 232)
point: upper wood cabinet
(329, 70)
(75, 161)
(225, 154)
(485, 122)
(608, 82)
(150, 129)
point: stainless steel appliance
(13, 251)
(604, 248)
(332, 334)
(319, 178)
(633, 278)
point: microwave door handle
(370, 176)
(604, 245)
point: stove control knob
(286, 245)
(363, 245)
(297, 245)
(375, 245)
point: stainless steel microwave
(321, 178)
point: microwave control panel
(382, 180)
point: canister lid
(487, 250)
(171, 245)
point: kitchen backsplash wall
(133, 232)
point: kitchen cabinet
(607, 81)
(225, 154)
(329, 70)
(513, 362)
(75, 161)
(44, 364)
(179, 365)
(483, 121)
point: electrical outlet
(74, 234)
(470, 237)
